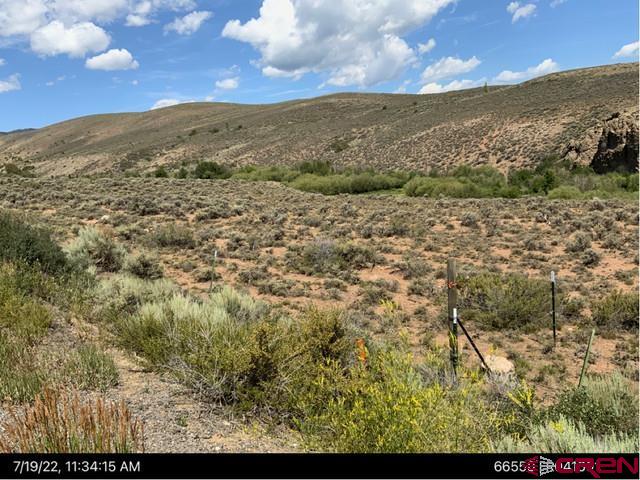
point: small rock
(499, 364)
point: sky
(60, 59)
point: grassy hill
(509, 126)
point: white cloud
(21, 17)
(448, 67)
(168, 102)
(141, 12)
(10, 84)
(228, 83)
(75, 41)
(354, 42)
(450, 87)
(520, 11)
(134, 82)
(188, 24)
(555, 3)
(72, 11)
(545, 67)
(3, 62)
(114, 59)
(629, 50)
(403, 88)
(427, 47)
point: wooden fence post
(213, 269)
(586, 357)
(553, 304)
(452, 313)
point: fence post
(586, 357)
(213, 269)
(553, 304)
(452, 313)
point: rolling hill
(586, 115)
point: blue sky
(60, 59)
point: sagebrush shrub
(604, 404)
(174, 236)
(93, 247)
(616, 310)
(20, 242)
(509, 301)
(144, 266)
(563, 435)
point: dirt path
(175, 421)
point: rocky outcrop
(610, 147)
(618, 145)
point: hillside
(568, 114)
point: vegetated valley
(224, 278)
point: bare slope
(510, 126)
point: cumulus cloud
(74, 27)
(21, 17)
(519, 11)
(450, 87)
(75, 41)
(543, 68)
(628, 50)
(141, 12)
(427, 47)
(354, 42)
(114, 59)
(168, 102)
(72, 11)
(448, 67)
(188, 24)
(228, 83)
(10, 84)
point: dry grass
(59, 422)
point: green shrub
(20, 242)
(124, 294)
(89, 368)
(143, 265)
(21, 314)
(604, 404)
(323, 256)
(13, 169)
(20, 379)
(161, 172)
(92, 247)
(24, 321)
(266, 174)
(510, 301)
(578, 243)
(174, 236)
(211, 170)
(565, 192)
(348, 183)
(616, 310)
(387, 408)
(317, 167)
(443, 187)
(563, 435)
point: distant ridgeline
(586, 117)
